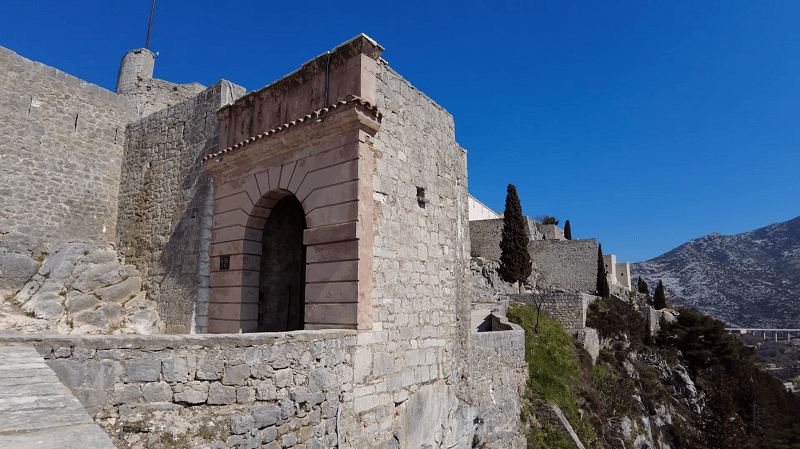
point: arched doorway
(281, 291)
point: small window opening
(421, 201)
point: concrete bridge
(767, 334)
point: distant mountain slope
(747, 280)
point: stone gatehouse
(327, 211)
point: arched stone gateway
(292, 239)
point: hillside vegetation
(690, 386)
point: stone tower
(136, 64)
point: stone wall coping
(561, 242)
(64, 77)
(505, 333)
(176, 341)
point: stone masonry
(60, 157)
(568, 308)
(294, 382)
(557, 263)
(166, 204)
(383, 185)
(565, 264)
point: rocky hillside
(747, 280)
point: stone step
(36, 410)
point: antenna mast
(147, 44)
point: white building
(479, 211)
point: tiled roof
(352, 99)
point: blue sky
(645, 123)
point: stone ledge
(174, 341)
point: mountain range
(749, 280)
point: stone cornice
(347, 115)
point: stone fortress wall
(564, 264)
(413, 379)
(292, 385)
(60, 157)
(485, 235)
(166, 204)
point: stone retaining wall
(498, 373)
(569, 308)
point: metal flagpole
(147, 44)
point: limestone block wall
(485, 236)
(295, 381)
(417, 346)
(565, 264)
(60, 157)
(166, 204)
(550, 232)
(568, 308)
(498, 373)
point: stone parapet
(498, 373)
(285, 376)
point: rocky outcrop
(81, 289)
(487, 284)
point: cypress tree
(602, 281)
(643, 287)
(567, 231)
(515, 261)
(660, 298)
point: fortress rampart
(60, 157)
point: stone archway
(282, 272)
(327, 164)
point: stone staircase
(37, 411)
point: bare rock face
(80, 289)
(15, 270)
(487, 283)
